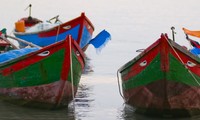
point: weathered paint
(43, 79)
(163, 85)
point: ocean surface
(133, 25)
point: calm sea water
(133, 24)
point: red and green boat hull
(43, 78)
(163, 81)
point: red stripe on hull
(66, 63)
(31, 58)
(137, 68)
(82, 20)
(164, 53)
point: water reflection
(128, 113)
(88, 66)
(12, 112)
(82, 104)
(76, 110)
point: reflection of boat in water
(128, 113)
(88, 66)
(12, 112)
(82, 104)
(83, 96)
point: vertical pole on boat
(173, 33)
(71, 69)
(29, 9)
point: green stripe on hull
(177, 73)
(46, 71)
(77, 70)
(150, 74)
(42, 72)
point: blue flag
(100, 40)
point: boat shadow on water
(129, 113)
(14, 112)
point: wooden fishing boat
(45, 33)
(44, 78)
(162, 81)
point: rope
(56, 40)
(182, 62)
(23, 41)
(119, 85)
(71, 69)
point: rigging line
(71, 71)
(56, 40)
(182, 61)
(120, 91)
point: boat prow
(163, 80)
(46, 78)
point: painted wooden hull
(163, 81)
(42, 79)
(80, 28)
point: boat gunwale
(60, 25)
(41, 50)
(174, 45)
